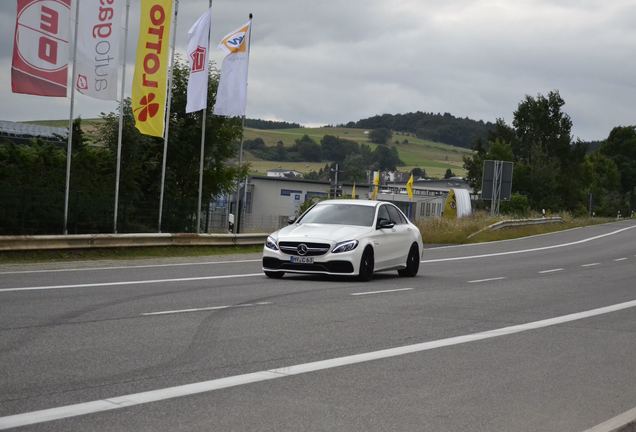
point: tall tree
(620, 147)
(141, 161)
(386, 158)
(604, 185)
(308, 149)
(548, 165)
(380, 135)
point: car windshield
(340, 214)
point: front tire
(412, 263)
(365, 274)
(274, 275)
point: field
(435, 158)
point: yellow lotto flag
(376, 184)
(149, 84)
(353, 191)
(409, 187)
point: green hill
(434, 157)
(446, 128)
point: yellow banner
(150, 81)
(450, 206)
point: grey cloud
(335, 61)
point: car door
(402, 233)
(385, 243)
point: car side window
(383, 214)
(395, 215)
(405, 220)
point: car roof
(367, 203)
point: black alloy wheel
(365, 273)
(412, 263)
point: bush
(518, 205)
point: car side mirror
(384, 223)
(291, 220)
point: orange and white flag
(231, 95)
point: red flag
(41, 47)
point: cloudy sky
(332, 61)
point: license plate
(301, 260)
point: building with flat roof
(269, 202)
(14, 131)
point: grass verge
(13, 257)
(456, 231)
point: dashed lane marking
(380, 292)
(551, 271)
(486, 280)
(209, 308)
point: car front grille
(327, 267)
(313, 249)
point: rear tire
(274, 275)
(365, 274)
(412, 263)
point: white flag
(231, 96)
(198, 37)
(98, 51)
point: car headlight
(345, 246)
(270, 243)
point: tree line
(554, 172)
(270, 124)
(32, 174)
(444, 128)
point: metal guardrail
(523, 222)
(519, 222)
(92, 241)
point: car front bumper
(344, 263)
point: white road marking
(620, 259)
(586, 240)
(126, 267)
(140, 282)
(616, 423)
(486, 280)
(79, 409)
(590, 264)
(380, 292)
(551, 271)
(210, 308)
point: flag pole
(238, 179)
(237, 213)
(121, 120)
(167, 128)
(69, 145)
(203, 121)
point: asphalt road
(535, 334)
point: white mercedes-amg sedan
(345, 237)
